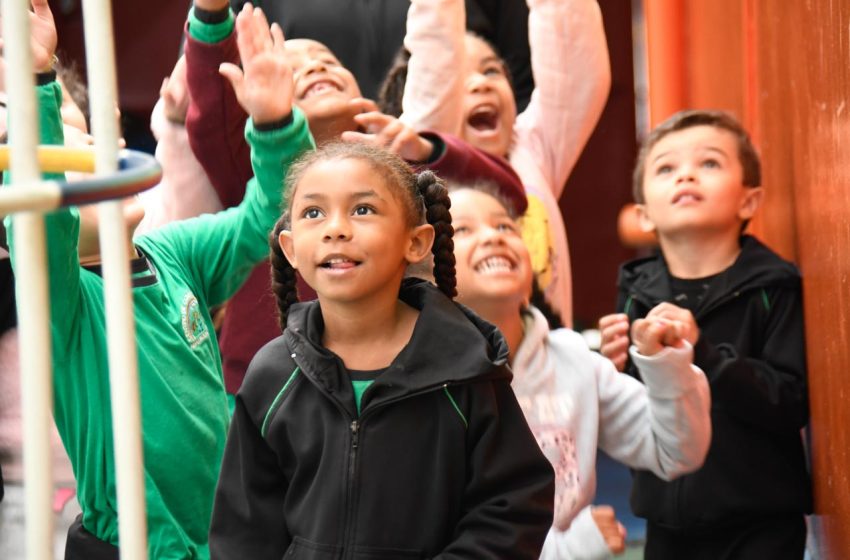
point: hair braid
(283, 274)
(437, 205)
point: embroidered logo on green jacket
(194, 326)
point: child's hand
(614, 329)
(264, 84)
(680, 315)
(612, 530)
(175, 93)
(665, 325)
(42, 36)
(388, 132)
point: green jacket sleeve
(62, 229)
(220, 250)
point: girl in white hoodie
(574, 399)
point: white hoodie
(575, 401)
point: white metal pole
(31, 285)
(120, 324)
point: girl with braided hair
(381, 424)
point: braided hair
(437, 204)
(423, 196)
(283, 273)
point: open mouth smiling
(320, 87)
(484, 118)
(495, 265)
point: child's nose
(685, 173)
(313, 66)
(337, 227)
(492, 235)
(478, 83)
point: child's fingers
(373, 123)
(613, 319)
(278, 39)
(351, 136)
(232, 74)
(364, 105)
(262, 36)
(244, 42)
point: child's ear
(750, 202)
(421, 241)
(286, 245)
(644, 221)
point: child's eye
(711, 164)
(662, 169)
(507, 227)
(363, 210)
(462, 230)
(493, 70)
(311, 213)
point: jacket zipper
(354, 428)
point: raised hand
(42, 36)
(612, 530)
(388, 132)
(614, 329)
(175, 93)
(264, 84)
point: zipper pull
(354, 431)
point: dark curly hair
(423, 195)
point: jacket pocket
(302, 549)
(372, 553)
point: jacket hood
(449, 345)
(648, 279)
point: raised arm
(433, 92)
(572, 77)
(220, 250)
(185, 190)
(215, 121)
(62, 226)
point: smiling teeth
(494, 265)
(318, 88)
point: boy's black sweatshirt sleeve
(509, 498)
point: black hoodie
(440, 463)
(752, 349)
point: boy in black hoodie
(697, 185)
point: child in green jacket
(178, 273)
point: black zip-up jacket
(440, 463)
(751, 347)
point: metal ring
(137, 171)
